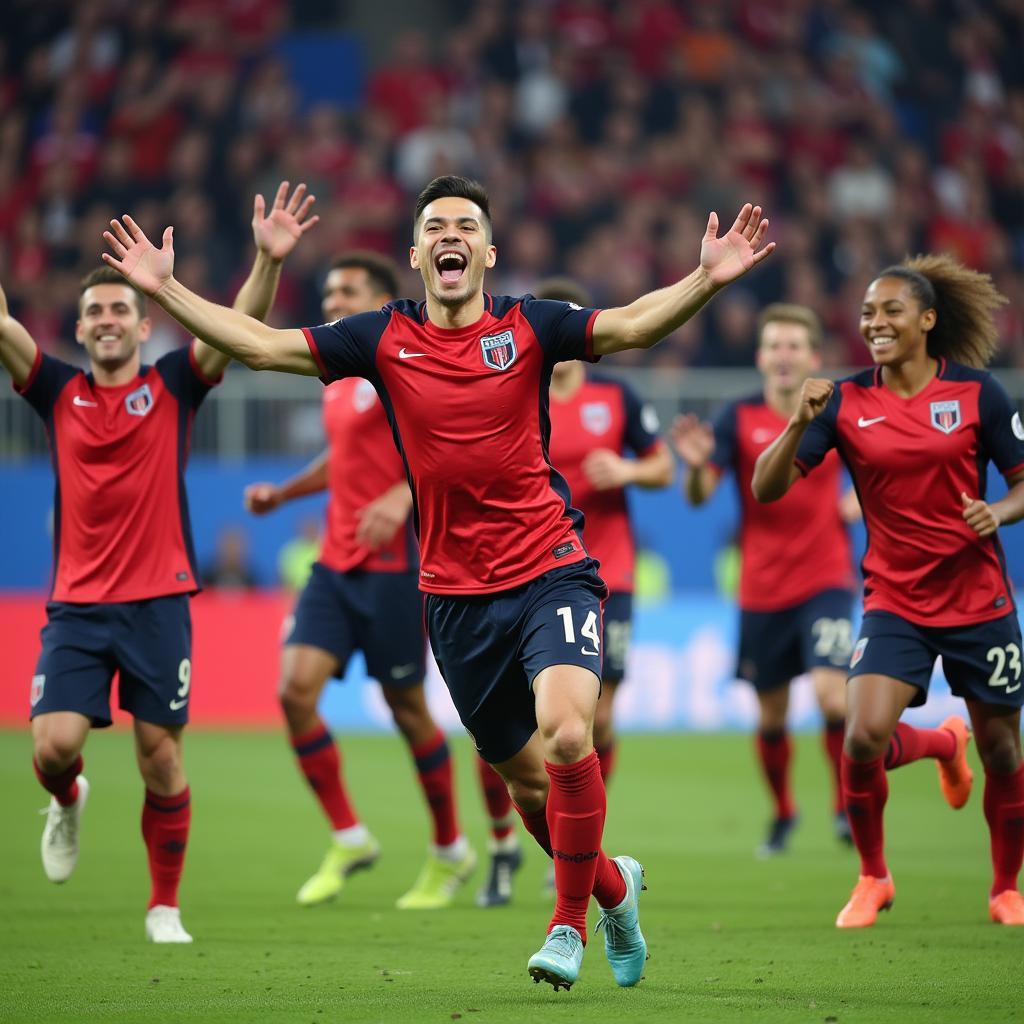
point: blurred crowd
(605, 132)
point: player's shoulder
(499, 306)
(734, 407)
(408, 309)
(869, 378)
(952, 371)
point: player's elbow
(765, 489)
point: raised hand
(277, 233)
(135, 256)
(742, 247)
(693, 440)
(979, 516)
(814, 396)
(259, 499)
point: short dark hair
(791, 313)
(562, 289)
(453, 185)
(108, 275)
(381, 272)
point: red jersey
(469, 409)
(910, 459)
(362, 463)
(790, 549)
(121, 528)
(602, 413)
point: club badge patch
(945, 415)
(498, 350)
(139, 402)
(596, 417)
(364, 396)
(36, 692)
(1017, 427)
(858, 651)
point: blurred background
(605, 133)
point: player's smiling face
(347, 291)
(452, 250)
(109, 325)
(786, 356)
(892, 323)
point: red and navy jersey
(362, 463)
(910, 459)
(602, 413)
(469, 412)
(793, 548)
(121, 528)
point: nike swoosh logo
(78, 400)
(402, 354)
(177, 705)
(583, 650)
(867, 423)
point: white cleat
(60, 835)
(163, 924)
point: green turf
(732, 939)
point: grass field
(732, 938)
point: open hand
(135, 256)
(726, 258)
(693, 440)
(278, 232)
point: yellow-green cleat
(340, 862)
(438, 882)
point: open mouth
(882, 343)
(451, 265)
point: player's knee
(1001, 755)
(161, 767)
(55, 753)
(865, 741)
(296, 695)
(567, 742)
(529, 793)
(410, 713)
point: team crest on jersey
(499, 350)
(139, 402)
(596, 417)
(36, 693)
(858, 651)
(364, 396)
(946, 415)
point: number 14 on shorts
(588, 631)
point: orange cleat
(1007, 907)
(869, 896)
(956, 777)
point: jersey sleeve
(724, 425)
(565, 331)
(45, 382)
(347, 347)
(821, 436)
(641, 422)
(185, 380)
(1002, 432)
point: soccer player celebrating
(124, 564)
(363, 595)
(513, 599)
(917, 433)
(791, 621)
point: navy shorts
(775, 647)
(491, 647)
(618, 630)
(378, 613)
(148, 643)
(981, 662)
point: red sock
(434, 768)
(865, 790)
(606, 755)
(775, 752)
(165, 821)
(499, 803)
(62, 785)
(1004, 812)
(320, 762)
(910, 744)
(832, 738)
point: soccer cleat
(1007, 907)
(497, 890)
(438, 882)
(955, 776)
(60, 834)
(558, 961)
(624, 943)
(842, 828)
(778, 837)
(340, 862)
(163, 924)
(869, 896)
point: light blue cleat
(624, 943)
(558, 961)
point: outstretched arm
(275, 234)
(653, 316)
(775, 470)
(234, 334)
(17, 348)
(262, 498)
